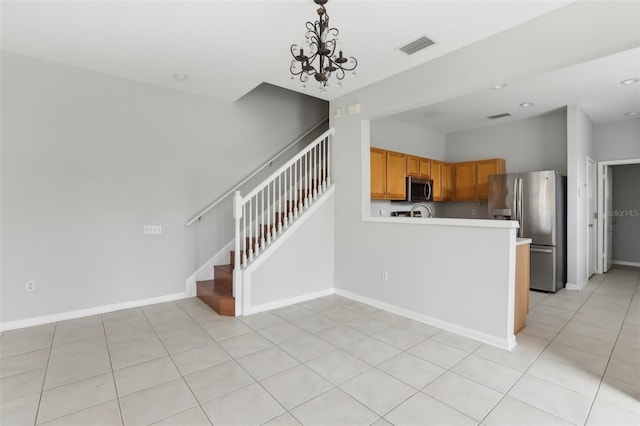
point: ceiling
(594, 85)
(227, 48)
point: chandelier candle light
(321, 43)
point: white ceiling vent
(416, 45)
(493, 117)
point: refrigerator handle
(519, 213)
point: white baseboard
(508, 343)
(625, 263)
(46, 319)
(287, 302)
(574, 286)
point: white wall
(580, 145)
(537, 143)
(619, 140)
(300, 268)
(626, 207)
(89, 158)
(396, 135)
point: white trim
(591, 250)
(574, 287)
(287, 302)
(600, 171)
(474, 223)
(46, 319)
(625, 263)
(508, 343)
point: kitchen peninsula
(456, 274)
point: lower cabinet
(522, 287)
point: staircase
(263, 215)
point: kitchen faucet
(415, 206)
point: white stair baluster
(249, 243)
(268, 213)
(294, 168)
(306, 179)
(281, 218)
(328, 162)
(244, 233)
(321, 171)
(262, 224)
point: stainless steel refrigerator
(538, 201)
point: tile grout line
(535, 359)
(113, 373)
(604, 372)
(44, 377)
(198, 404)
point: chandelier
(318, 56)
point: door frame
(592, 185)
(600, 194)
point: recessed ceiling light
(630, 81)
(499, 86)
(180, 77)
(633, 114)
(527, 104)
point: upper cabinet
(447, 181)
(388, 174)
(484, 169)
(467, 181)
(441, 173)
(472, 178)
(418, 166)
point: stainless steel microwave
(419, 190)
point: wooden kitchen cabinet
(465, 181)
(523, 269)
(447, 181)
(484, 169)
(418, 167)
(441, 173)
(388, 174)
(472, 178)
(378, 162)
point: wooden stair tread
(219, 299)
(224, 268)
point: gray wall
(619, 140)
(537, 143)
(89, 158)
(397, 135)
(626, 223)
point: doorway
(606, 214)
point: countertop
(521, 241)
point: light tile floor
(330, 361)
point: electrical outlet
(384, 275)
(473, 212)
(381, 212)
(152, 229)
(30, 287)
